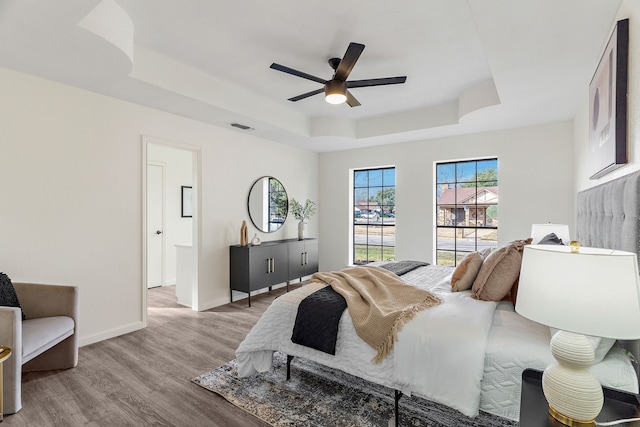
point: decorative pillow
(499, 272)
(466, 272)
(513, 296)
(8, 297)
(486, 252)
(551, 239)
(601, 346)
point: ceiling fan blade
(351, 100)
(377, 82)
(306, 95)
(348, 61)
(297, 73)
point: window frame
(457, 207)
(382, 220)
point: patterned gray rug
(321, 396)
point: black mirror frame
(273, 225)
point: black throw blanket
(319, 313)
(403, 267)
(317, 320)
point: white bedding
(512, 344)
(447, 342)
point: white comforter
(439, 354)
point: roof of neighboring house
(366, 205)
(463, 195)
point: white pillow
(601, 346)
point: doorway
(168, 167)
(155, 224)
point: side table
(5, 352)
(534, 410)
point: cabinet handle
(273, 265)
(301, 258)
(268, 265)
(306, 258)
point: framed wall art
(608, 106)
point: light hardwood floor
(144, 378)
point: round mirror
(268, 204)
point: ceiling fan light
(335, 92)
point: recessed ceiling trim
(111, 22)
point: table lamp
(583, 290)
(538, 231)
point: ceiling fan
(336, 90)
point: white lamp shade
(593, 292)
(538, 231)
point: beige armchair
(46, 340)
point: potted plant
(302, 213)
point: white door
(155, 225)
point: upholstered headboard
(608, 216)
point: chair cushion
(39, 335)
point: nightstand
(534, 410)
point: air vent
(241, 126)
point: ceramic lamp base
(575, 396)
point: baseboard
(112, 333)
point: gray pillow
(551, 239)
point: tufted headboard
(608, 216)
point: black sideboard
(255, 267)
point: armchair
(46, 340)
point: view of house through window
(374, 215)
(466, 208)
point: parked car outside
(372, 215)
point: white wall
(178, 169)
(534, 173)
(71, 186)
(629, 9)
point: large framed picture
(608, 106)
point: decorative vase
(256, 240)
(244, 239)
(301, 225)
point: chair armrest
(39, 300)
(11, 330)
(11, 336)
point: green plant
(300, 212)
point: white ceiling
(471, 65)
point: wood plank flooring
(144, 378)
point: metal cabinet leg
(289, 359)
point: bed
(476, 350)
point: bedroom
(72, 188)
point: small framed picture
(186, 202)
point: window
(374, 215)
(278, 204)
(466, 208)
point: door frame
(196, 156)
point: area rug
(320, 396)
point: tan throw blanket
(379, 303)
